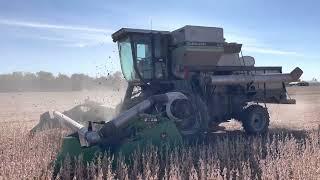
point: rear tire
(255, 120)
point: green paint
(160, 133)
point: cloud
(89, 36)
(253, 45)
(79, 45)
(82, 44)
(269, 51)
(50, 38)
(248, 41)
(79, 40)
(88, 40)
(75, 40)
(39, 25)
(65, 35)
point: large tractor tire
(198, 122)
(255, 120)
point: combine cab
(182, 84)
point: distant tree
(17, 75)
(63, 82)
(46, 81)
(77, 81)
(118, 75)
(116, 79)
(30, 76)
(16, 80)
(29, 82)
(63, 77)
(5, 82)
(43, 75)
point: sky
(74, 36)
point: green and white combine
(181, 85)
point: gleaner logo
(188, 43)
(196, 43)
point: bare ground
(27, 106)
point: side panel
(225, 101)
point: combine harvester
(181, 84)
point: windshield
(126, 59)
(143, 57)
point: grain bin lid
(197, 34)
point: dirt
(27, 106)
(303, 115)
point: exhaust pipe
(258, 78)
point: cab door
(143, 56)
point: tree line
(46, 81)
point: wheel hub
(258, 121)
(181, 109)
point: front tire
(198, 122)
(255, 120)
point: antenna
(151, 24)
